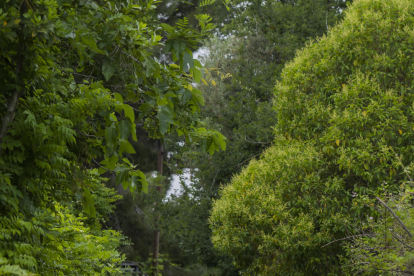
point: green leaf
(162, 101)
(145, 108)
(167, 28)
(169, 46)
(179, 47)
(108, 71)
(197, 63)
(165, 118)
(212, 148)
(127, 147)
(188, 62)
(129, 112)
(7, 179)
(125, 184)
(140, 176)
(125, 129)
(101, 170)
(122, 174)
(187, 96)
(88, 203)
(111, 135)
(197, 75)
(113, 160)
(134, 133)
(200, 99)
(118, 97)
(206, 143)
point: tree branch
(355, 236)
(389, 209)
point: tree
(343, 111)
(78, 80)
(243, 64)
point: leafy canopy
(344, 109)
(79, 79)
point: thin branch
(248, 159)
(349, 237)
(253, 142)
(101, 166)
(389, 209)
(214, 180)
(85, 75)
(87, 135)
(396, 236)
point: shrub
(345, 108)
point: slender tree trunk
(14, 99)
(157, 231)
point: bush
(344, 110)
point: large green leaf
(167, 28)
(188, 61)
(196, 75)
(108, 71)
(111, 135)
(125, 129)
(187, 96)
(179, 47)
(165, 118)
(122, 174)
(129, 112)
(126, 146)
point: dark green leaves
(108, 71)
(167, 28)
(111, 135)
(165, 118)
(179, 47)
(88, 203)
(125, 129)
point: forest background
(244, 59)
(91, 91)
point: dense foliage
(344, 109)
(243, 63)
(78, 80)
(384, 245)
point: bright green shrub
(274, 212)
(345, 108)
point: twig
(396, 236)
(389, 209)
(349, 237)
(101, 165)
(247, 159)
(87, 135)
(214, 180)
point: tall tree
(78, 80)
(344, 111)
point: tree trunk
(14, 99)
(157, 231)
